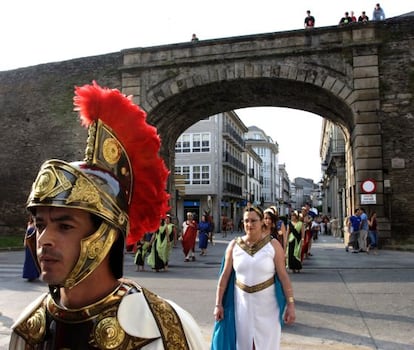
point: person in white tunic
(255, 258)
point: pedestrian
(250, 301)
(189, 237)
(363, 17)
(309, 20)
(373, 233)
(204, 231)
(307, 218)
(378, 13)
(355, 221)
(30, 266)
(275, 226)
(160, 248)
(194, 38)
(363, 231)
(296, 235)
(171, 231)
(346, 19)
(347, 231)
(352, 15)
(143, 248)
(83, 213)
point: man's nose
(45, 236)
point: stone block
(365, 72)
(367, 129)
(337, 87)
(366, 106)
(366, 117)
(366, 83)
(364, 61)
(375, 174)
(371, 151)
(133, 90)
(363, 34)
(365, 140)
(345, 92)
(367, 94)
(329, 82)
(368, 163)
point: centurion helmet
(121, 181)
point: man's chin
(50, 279)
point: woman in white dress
(255, 258)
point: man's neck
(89, 291)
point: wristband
(291, 300)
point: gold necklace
(251, 244)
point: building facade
(209, 156)
(333, 183)
(268, 151)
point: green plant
(11, 241)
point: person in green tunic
(160, 248)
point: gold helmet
(121, 177)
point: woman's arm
(280, 266)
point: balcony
(234, 136)
(229, 188)
(234, 162)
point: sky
(44, 31)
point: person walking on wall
(378, 13)
(309, 20)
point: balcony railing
(233, 133)
(228, 158)
(233, 189)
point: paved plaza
(343, 300)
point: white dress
(256, 314)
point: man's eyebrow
(57, 218)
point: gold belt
(257, 287)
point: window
(186, 143)
(205, 142)
(205, 175)
(195, 175)
(178, 145)
(197, 142)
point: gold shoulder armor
(31, 326)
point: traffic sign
(368, 186)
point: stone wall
(397, 120)
(37, 122)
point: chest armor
(51, 327)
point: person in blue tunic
(204, 231)
(30, 269)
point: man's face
(59, 232)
